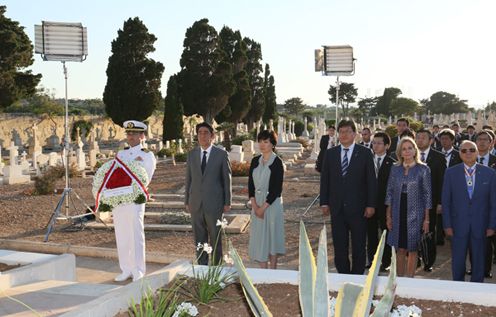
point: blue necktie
(470, 182)
(204, 162)
(344, 163)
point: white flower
(185, 308)
(199, 246)
(222, 224)
(207, 248)
(228, 259)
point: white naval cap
(133, 125)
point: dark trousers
(459, 248)
(346, 224)
(206, 230)
(488, 262)
(439, 229)
(374, 223)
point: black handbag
(428, 249)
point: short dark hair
(455, 124)
(366, 129)
(385, 137)
(485, 132)
(404, 120)
(425, 131)
(487, 127)
(446, 126)
(347, 123)
(204, 125)
(435, 126)
(408, 132)
(470, 127)
(447, 132)
(331, 127)
(268, 135)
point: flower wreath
(117, 183)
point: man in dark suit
(366, 141)
(401, 125)
(383, 163)
(208, 192)
(435, 132)
(326, 142)
(437, 164)
(452, 158)
(469, 211)
(484, 140)
(348, 192)
(458, 136)
(470, 135)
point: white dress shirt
(209, 149)
(350, 152)
(485, 162)
(448, 157)
(426, 153)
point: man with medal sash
(469, 211)
(129, 218)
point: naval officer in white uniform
(129, 218)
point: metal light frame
(336, 61)
(62, 42)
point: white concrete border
(120, 299)
(59, 267)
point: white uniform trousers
(130, 238)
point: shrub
(165, 152)
(45, 184)
(83, 125)
(240, 168)
(238, 140)
(181, 157)
(299, 127)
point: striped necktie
(344, 163)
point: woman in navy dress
(408, 199)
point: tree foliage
(254, 69)
(240, 102)
(270, 96)
(367, 105)
(133, 79)
(173, 112)
(446, 103)
(404, 106)
(16, 53)
(383, 106)
(347, 95)
(294, 106)
(206, 78)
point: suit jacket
(492, 161)
(467, 137)
(382, 180)
(394, 144)
(363, 143)
(324, 143)
(467, 215)
(437, 163)
(353, 192)
(454, 159)
(212, 190)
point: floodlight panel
(59, 41)
(339, 60)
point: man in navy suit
(326, 142)
(469, 211)
(401, 125)
(348, 191)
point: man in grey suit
(208, 191)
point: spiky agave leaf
(307, 274)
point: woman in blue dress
(265, 188)
(408, 199)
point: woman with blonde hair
(408, 198)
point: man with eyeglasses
(469, 211)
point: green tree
(133, 79)
(206, 78)
(240, 102)
(383, 106)
(173, 112)
(446, 103)
(254, 69)
(491, 106)
(16, 53)
(294, 106)
(366, 105)
(347, 95)
(404, 106)
(270, 96)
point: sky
(421, 46)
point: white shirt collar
(381, 156)
(426, 152)
(467, 167)
(449, 151)
(136, 147)
(209, 149)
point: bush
(181, 157)
(238, 140)
(391, 131)
(240, 168)
(45, 184)
(299, 127)
(165, 153)
(83, 125)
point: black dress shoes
(488, 275)
(428, 269)
(468, 272)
